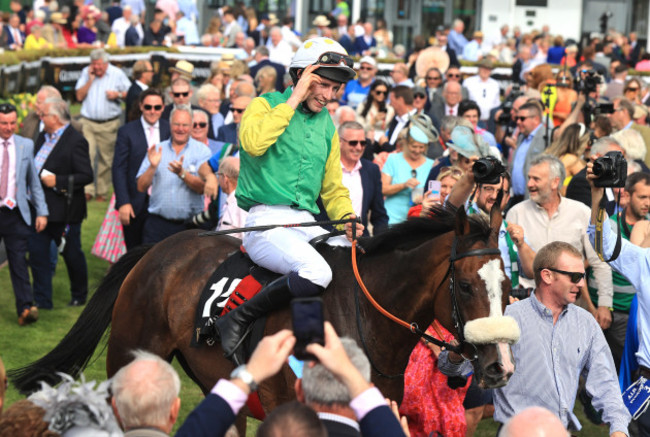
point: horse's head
(479, 295)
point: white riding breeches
(286, 250)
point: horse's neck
(405, 283)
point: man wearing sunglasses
(530, 144)
(357, 90)
(559, 342)
(289, 157)
(133, 141)
(632, 262)
(228, 132)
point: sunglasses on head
(354, 143)
(237, 110)
(332, 58)
(574, 277)
(201, 124)
(185, 94)
(7, 108)
(154, 107)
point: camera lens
(602, 166)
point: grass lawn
(22, 345)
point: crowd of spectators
(172, 155)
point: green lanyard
(514, 265)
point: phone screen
(434, 189)
(308, 327)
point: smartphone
(308, 325)
(434, 189)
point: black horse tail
(73, 353)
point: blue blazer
(130, 151)
(360, 45)
(213, 417)
(227, 133)
(27, 178)
(10, 36)
(373, 200)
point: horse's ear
(462, 224)
(495, 214)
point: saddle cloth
(235, 281)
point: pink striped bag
(109, 243)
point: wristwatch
(245, 376)
(182, 175)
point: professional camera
(506, 107)
(488, 170)
(589, 82)
(610, 170)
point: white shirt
(281, 54)
(11, 185)
(401, 122)
(119, 28)
(232, 216)
(289, 36)
(352, 181)
(484, 93)
(152, 139)
(143, 86)
(454, 109)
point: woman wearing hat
(405, 173)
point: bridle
(457, 318)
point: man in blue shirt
(356, 90)
(530, 144)
(171, 170)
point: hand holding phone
(434, 190)
(308, 325)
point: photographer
(516, 253)
(633, 262)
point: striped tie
(44, 152)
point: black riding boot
(233, 325)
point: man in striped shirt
(560, 342)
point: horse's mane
(415, 231)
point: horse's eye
(465, 287)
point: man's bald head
(534, 422)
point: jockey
(289, 156)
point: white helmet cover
(337, 68)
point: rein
(413, 327)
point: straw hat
(183, 68)
(431, 57)
(57, 17)
(321, 20)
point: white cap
(368, 60)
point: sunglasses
(201, 124)
(154, 107)
(434, 78)
(185, 94)
(574, 277)
(420, 96)
(332, 58)
(365, 68)
(523, 117)
(446, 171)
(354, 143)
(381, 93)
(237, 110)
(453, 75)
(632, 89)
(7, 108)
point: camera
(589, 82)
(610, 170)
(521, 293)
(506, 108)
(488, 170)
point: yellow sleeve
(261, 125)
(336, 197)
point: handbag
(109, 243)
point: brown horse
(407, 269)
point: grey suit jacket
(26, 178)
(537, 146)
